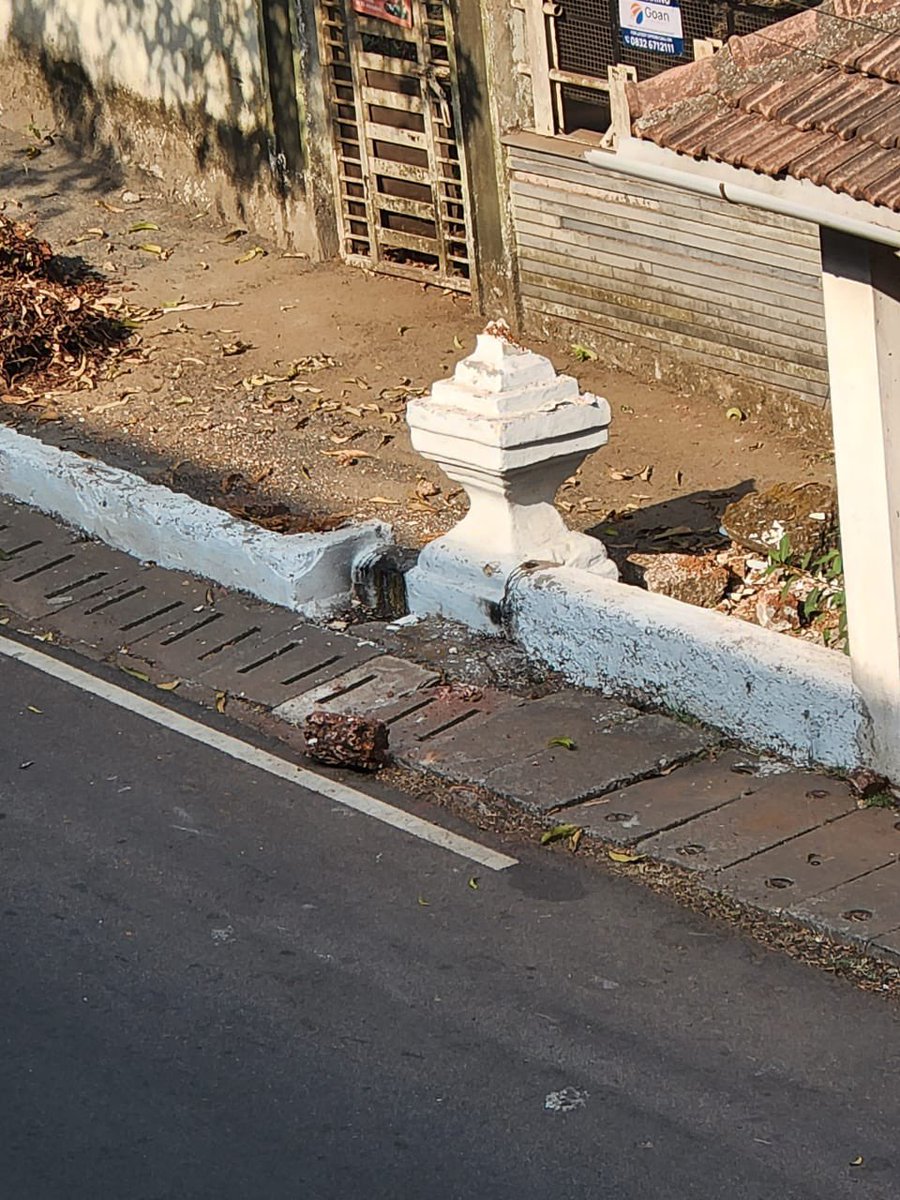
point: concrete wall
(179, 88)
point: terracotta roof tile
(818, 163)
(882, 125)
(827, 110)
(880, 57)
(856, 176)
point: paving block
(863, 909)
(148, 600)
(29, 540)
(525, 728)
(637, 811)
(781, 806)
(20, 524)
(82, 571)
(815, 862)
(249, 649)
(886, 945)
(426, 715)
(363, 690)
(272, 669)
(510, 752)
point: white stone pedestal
(509, 430)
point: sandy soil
(289, 386)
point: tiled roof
(816, 96)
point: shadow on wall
(197, 71)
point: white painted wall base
(769, 691)
(310, 573)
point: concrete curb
(310, 573)
(775, 693)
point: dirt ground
(288, 385)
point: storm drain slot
(345, 691)
(21, 549)
(326, 662)
(235, 641)
(157, 612)
(408, 712)
(448, 725)
(115, 600)
(58, 562)
(71, 587)
(176, 637)
(261, 662)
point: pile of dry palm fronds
(56, 326)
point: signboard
(653, 25)
(398, 12)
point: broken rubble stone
(778, 608)
(346, 740)
(865, 783)
(806, 513)
(691, 578)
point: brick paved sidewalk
(789, 842)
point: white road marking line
(261, 759)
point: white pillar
(509, 430)
(862, 318)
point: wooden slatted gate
(400, 176)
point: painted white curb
(310, 573)
(769, 691)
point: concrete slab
(29, 539)
(149, 600)
(524, 727)
(365, 689)
(272, 669)
(232, 643)
(813, 863)
(510, 754)
(419, 719)
(782, 806)
(861, 910)
(70, 575)
(636, 812)
(556, 778)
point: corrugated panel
(737, 290)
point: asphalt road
(216, 985)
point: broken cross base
(451, 582)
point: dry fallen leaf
(558, 832)
(425, 489)
(256, 252)
(473, 883)
(625, 856)
(169, 685)
(221, 701)
(32, 709)
(142, 675)
(565, 742)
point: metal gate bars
(399, 169)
